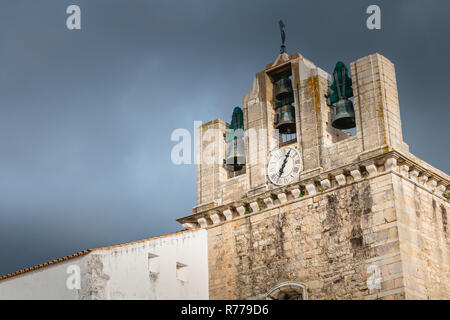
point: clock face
(284, 165)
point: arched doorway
(287, 291)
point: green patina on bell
(339, 92)
(235, 151)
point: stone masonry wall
(422, 219)
(332, 242)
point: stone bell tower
(321, 146)
(361, 218)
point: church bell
(339, 93)
(235, 154)
(235, 150)
(344, 117)
(284, 111)
(284, 88)
(285, 120)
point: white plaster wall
(42, 284)
(122, 272)
(128, 268)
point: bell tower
(295, 104)
(336, 214)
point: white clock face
(284, 165)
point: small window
(181, 272)
(153, 265)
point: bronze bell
(235, 154)
(285, 119)
(344, 117)
(284, 88)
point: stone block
(295, 192)
(282, 197)
(404, 170)
(390, 164)
(356, 174)
(202, 222)
(326, 184)
(431, 184)
(372, 170)
(440, 189)
(215, 218)
(340, 178)
(268, 202)
(255, 207)
(413, 175)
(240, 210)
(422, 179)
(189, 226)
(311, 189)
(228, 214)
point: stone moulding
(390, 162)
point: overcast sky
(86, 116)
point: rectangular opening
(286, 139)
(181, 271)
(153, 265)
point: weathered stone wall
(210, 152)
(328, 242)
(376, 103)
(234, 188)
(423, 229)
(372, 224)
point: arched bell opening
(287, 291)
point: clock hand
(284, 163)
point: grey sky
(86, 116)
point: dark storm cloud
(86, 116)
